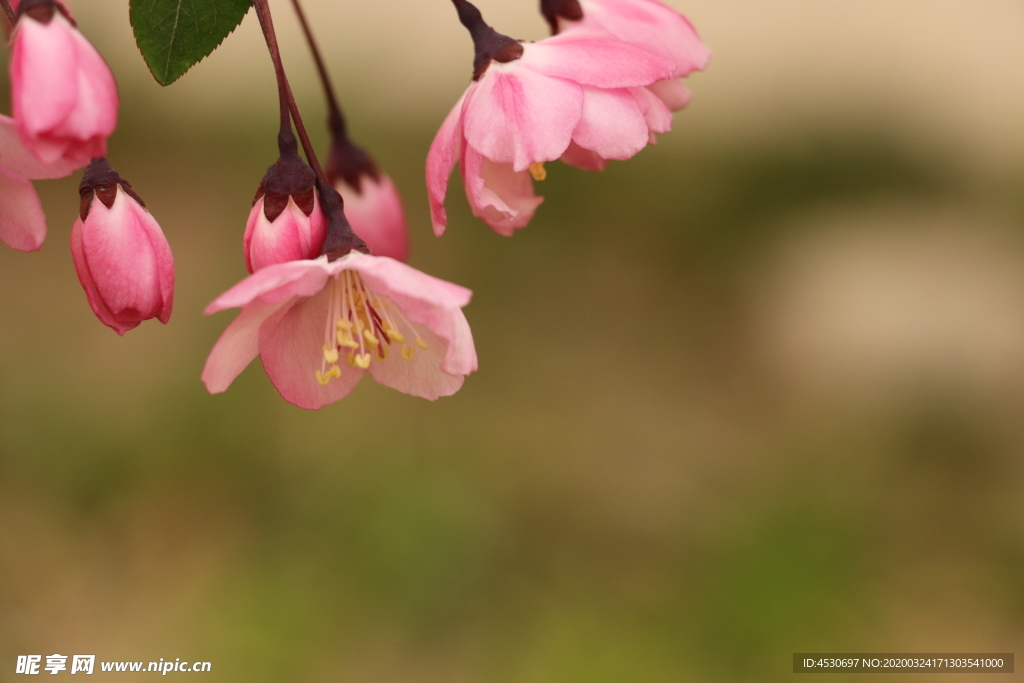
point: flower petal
(238, 344)
(501, 197)
(444, 152)
(657, 115)
(612, 124)
(377, 216)
(583, 158)
(291, 349)
(673, 93)
(20, 160)
(653, 25)
(517, 116)
(595, 58)
(22, 222)
(275, 284)
(422, 375)
(44, 74)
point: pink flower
(577, 94)
(375, 211)
(22, 222)
(372, 205)
(641, 22)
(121, 256)
(295, 232)
(318, 324)
(64, 96)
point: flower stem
(335, 118)
(288, 104)
(340, 238)
(11, 16)
(488, 44)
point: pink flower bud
(63, 94)
(286, 222)
(121, 256)
(372, 205)
(376, 214)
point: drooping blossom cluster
(65, 106)
(329, 296)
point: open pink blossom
(63, 94)
(376, 214)
(642, 22)
(535, 102)
(317, 325)
(121, 255)
(22, 222)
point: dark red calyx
(552, 10)
(488, 43)
(341, 239)
(289, 177)
(43, 10)
(350, 163)
(101, 181)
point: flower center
(362, 326)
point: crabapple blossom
(286, 222)
(121, 256)
(571, 96)
(318, 325)
(63, 94)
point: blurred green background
(758, 390)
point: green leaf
(173, 35)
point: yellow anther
(363, 360)
(345, 339)
(370, 339)
(407, 352)
(344, 324)
(422, 344)
(334, 371)
(330, 355)
(397, 336)
(538, 171)
(322, 378)
(350, 359)
(380, 303)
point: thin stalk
(335, 118)
(284, 89)
(9, 11)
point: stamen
(422, 344)
(407, 352)
(330, 354)
(538, 171)
(363, 360)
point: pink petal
(238, 345)
(422, 375)
(292, 351)
(500, 197)
(612, 124)
(657, 115)
(516, 116)
(129, 262)
(444, 152)
(44, 74)
(377, 216)
(20, 160)
(673, 93)
(22, 222)
(593, 58)
(426, 301)
(92, 294)
(653, 25)
(287, 238)
(583, 158)
(275, 284)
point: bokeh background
(758, 390)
